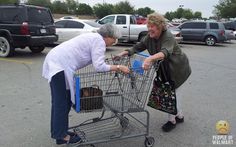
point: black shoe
(167, 127)
(72, 134)
(179, 120)
(73, 139)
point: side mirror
(100, 22)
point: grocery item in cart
(91, 98)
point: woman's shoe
(179, 120)
(167, 127)
(72, 134)
(73, 139)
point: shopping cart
(124, 96)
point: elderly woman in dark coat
(161, 44)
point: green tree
(170, 15)
(84, 9)
(226, 8)
(187, 13)
(44, 3)
(102, 10)
(179, 13)
(144, 11)
(123, 7)
(197, 14)
(59, 7)
(71, 6)
(8, 1)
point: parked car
(230, 25)
(68, 17)
(69, 28)
(230, 29)
(208, 32)
(130, 30)
(25, 26)
(140, 19)
(175, 31)
(229, 35)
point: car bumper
(22, 41)
(178, 39)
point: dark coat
(178, 62)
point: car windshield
(92, 23)
(38, 15)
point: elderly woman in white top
(59, 67)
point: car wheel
(141, 36)
(210, 40)
(6, 49)
(36, 49)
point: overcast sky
(163, 6)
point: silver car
(208, 32)
(69, 28)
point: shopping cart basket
(121, 94)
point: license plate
(43, 30)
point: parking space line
(16, 61)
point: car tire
(141, 36)
(6, 48)
(36, 49)
(210, 40)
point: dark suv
(25, 25)
(208, 32)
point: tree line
(225, 8)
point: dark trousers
(61, 105)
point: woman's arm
(149, 60)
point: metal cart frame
(124, 97)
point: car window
(12, 15)
(121, 20)
(132, 20)
(214, 26)
(229, 25)
(60, 24)
(74, 24)
(109, 19)
(193, 25)
(39, 15)
(186, 25)
(93, 24)
(200, 25)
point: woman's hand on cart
(120, 55)
(147, 63)
(120, 68)
(123, 69)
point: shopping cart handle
(143, 54)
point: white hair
(109, 30)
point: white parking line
(16, 61)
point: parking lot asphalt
(209, 97)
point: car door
(186, 31)
(123, 25)
(68, 29)
(60, 26)
(193, 30)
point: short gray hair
(109, 30)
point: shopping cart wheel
(149, 141)
(124, 122)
